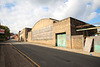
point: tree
(6, 33)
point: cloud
(18, 14)
(96, 4)
(78, 8)
(46, 8)
(92, 15)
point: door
(61, 40)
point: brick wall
(61, 27)
(45, 30)
(77, 42)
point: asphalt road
(9, 57)
(48, 57)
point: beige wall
(45, 42)
(42, 23)
(67, 26)
(19, 36)
(29, 36)
(61, 27)
(58, 27)
(24, 34)
(77, 42)
(42, 32)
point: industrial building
(23, 34)
(63, 33)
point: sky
(18, 14)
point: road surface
(9, 57)
(48, 57)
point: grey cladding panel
(43, 33)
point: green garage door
(61, 40)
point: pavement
(9, 57)
(49, 56)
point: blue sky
(46, 8)
(18, 14)
(98, 10)
(9, 5)
(96, 19)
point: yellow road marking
(25, 56)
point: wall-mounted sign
(2, 31)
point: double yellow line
(29, 59)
